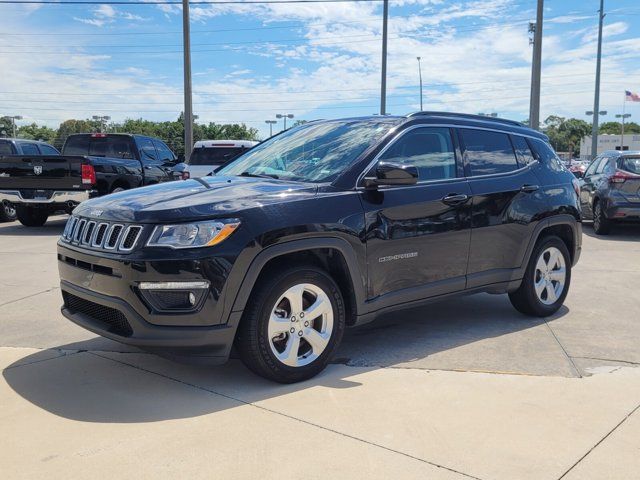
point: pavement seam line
(29, 296)
(564, 350)
(44, 359)
(599, 442)
(608, 360)
(306, 422)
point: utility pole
(420, 73)
(271, 123)
(383, 83)
(188, 101)
(536, 68)
(596, 98)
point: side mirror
(392, 174)
(180, 171)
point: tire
(31, 217)
(7, 212)
(118, 189)
(270, 329)
(535, 296)
(601, 224)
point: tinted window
(488, 152)
(429, 149)
(6, 148)
(48, 150)
(76, 145)
(147, 150)
(546, 155)
(29, 149)
(629, 164)
(602, 165)
(525, 157)
(113, 146)
(592, 166)
(215, 155)
(164, 153)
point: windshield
(317, 152)
(214, 155)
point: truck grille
(113, 320)
(104, 236)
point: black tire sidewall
(31, 217)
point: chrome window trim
(376, 159)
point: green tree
(68, 127)
(615, 128)
(37, 132)
(565, 134)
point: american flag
(631, 97)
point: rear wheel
(31, 216)
(601, 224)
(546, 281)
(7, 212)
(292, 325)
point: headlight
(192, 235)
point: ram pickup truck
(91, 165)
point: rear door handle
(529, 188)
(455, 199)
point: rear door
(506, 202)
(418, 236)
(154, 169)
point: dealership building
(609, 142)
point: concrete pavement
(466, 388)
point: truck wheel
(601, 224)
(292, 325)
(30, 216)
(546, 281)
(7, 212)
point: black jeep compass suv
(324, 226)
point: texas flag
(631, 97)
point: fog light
(174, 296)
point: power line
(174, 2)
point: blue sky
(314, 61)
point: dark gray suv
(610, 190)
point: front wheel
(31, 217)
(292, 325)
(546, 280)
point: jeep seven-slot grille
(113, 320)
(99, 235)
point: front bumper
(101, 294)
(65, 197)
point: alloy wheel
(550, 276)
(300, 325)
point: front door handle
(455, 199)
(529, 188)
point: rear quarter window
(547, 156)
(629, 164)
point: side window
(164, 154)
(147, 150)
(488, 152)
(48, 150)
(29, 149)
(602, 165)
(429, 149)
(525, 157)
(592, 166)
(6, 148)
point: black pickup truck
(91, 165)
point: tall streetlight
(622, 116)
(188, 97)
(103, 119)
(492, 115)
(284, 116)
(600, 113)
(383, 80)
(13, 119)
(420, 74)
(536, 68)
(271, 123)
(596, 97)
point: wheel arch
(566, 227)
(335, 255)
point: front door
(418, 236)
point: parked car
(91, 164)
(324, 226)
(20, 146)
(610, 190)
(578, 168)
(208, 155)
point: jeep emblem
(37, 169)
(96, 212)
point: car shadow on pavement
(626, 232)
(90, 382)
(53, 228)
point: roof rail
(469, 116)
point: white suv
(208, 155)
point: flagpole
(624, 104)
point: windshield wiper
(259, 175)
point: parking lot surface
(465, 388)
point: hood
(194, 199)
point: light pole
(284, 116)
(536, 68)
(622, 116)
(420, 74)
(103, 119)
(13, 119)
(590, 113)
(492, 115)
(596, 98)
(271, 123)
(188, 100)
(383, 80)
